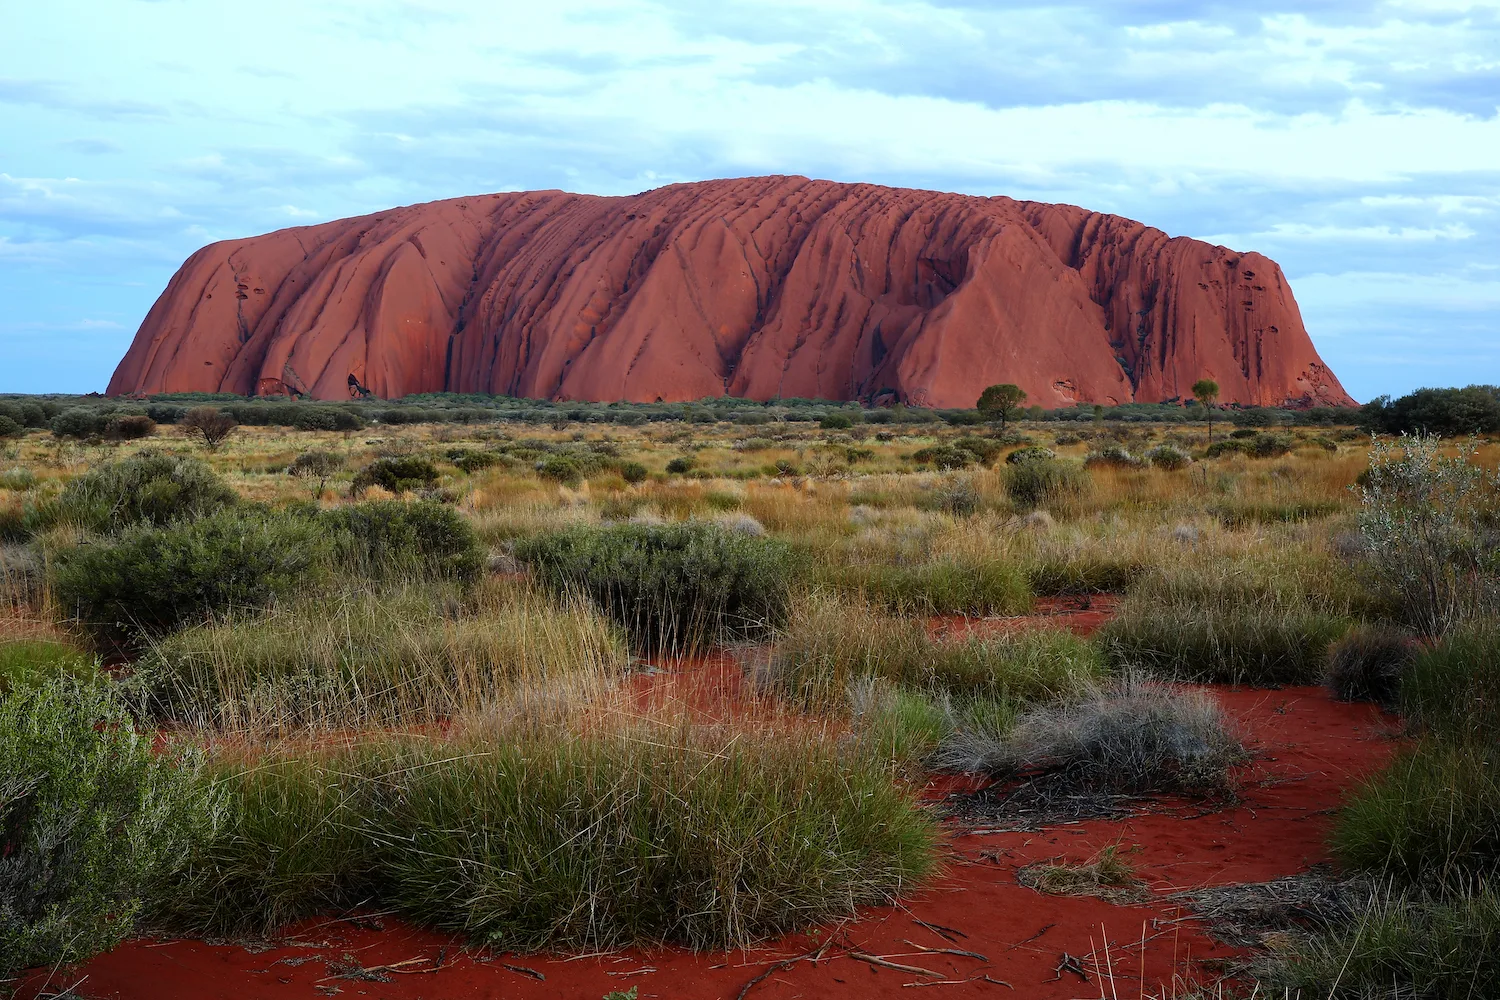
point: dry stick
(781, 966)
(940, 930)
(877, 960)
(522, 970)
(946, 951)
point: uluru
(760, 287)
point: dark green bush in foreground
(552, 840)
(94, 823)
(673, 586)
(145, 489)
(149, 579)
(1238, 643)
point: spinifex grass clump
(94, 822)
(1240, 644)
(1431, 819)
(943, 585)
(1401, 945)
(1369, 664)
(538, 837)
(1133, 737)
(1045, 482)
(830, 644)
(1235, 623)
(393, 657)
(674, 587)
(1452, 691)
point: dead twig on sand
(863, 956)
(981, 978)
(523, 971)
(947, 933)
(945, 951)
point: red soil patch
(1310, 751)
(1083, 615)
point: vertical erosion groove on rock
(762, 287)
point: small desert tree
(316, 468)
(1206, 392)
(1427, 522)
(998, 402)
(212, 423)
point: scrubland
(392, 667)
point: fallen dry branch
(862, 956)
(945, 951)
(947, 933)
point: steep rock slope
(760, 287)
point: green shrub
(681, 465)
(1397, 945)
(1111, 455)
(945, 456)
(129, 427)
(149, 580)
(836, 422)
(1044, 483)
(1432, 818)
(1452, 691)
(1030, 453)
(634, 472)
(316, 468)
(396, 475)
(78, 422)
(392, 538)
(95, 823)
(563, 469)
(1263, 644)
(471, 461)
(984, 450)
(673, 586)
(541, 839)
(1427, 519)
(1168, 457)
(146, 489)
(10, 428)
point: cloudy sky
(1356, 143)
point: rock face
(762, 287)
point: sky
(1356, 143)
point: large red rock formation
(762, 287)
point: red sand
(1084, 615)
(1310, 750)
